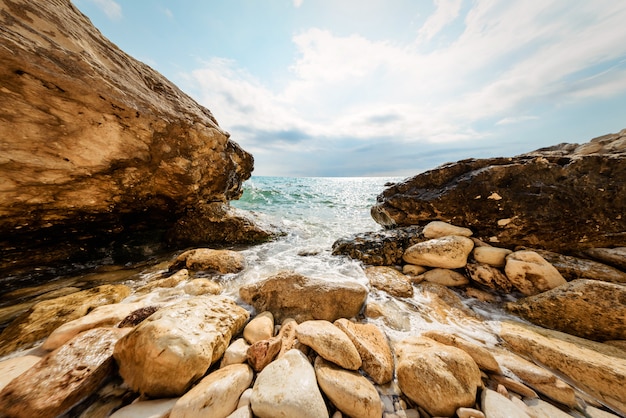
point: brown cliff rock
(564, 198)
(95, 144)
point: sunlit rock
(530, 273)
(447, 252)
(389, 280)
(330, 342)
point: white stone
(261, 327)
(216, 395)
(287, 387)
(438, 229)
(494, 256)
(156, 408)
(530, 273)
(12, 368)
(495, 405)
(329, 342)
(244, 399)
(469, 413)
(236, 353)
(243, 412)
(445, 252)
(445, 277)
(541, 409)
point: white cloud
(111, 8)
(446, 11)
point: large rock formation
(565, 198)
(95, 144)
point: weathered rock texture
(565, 198)
(94, 143)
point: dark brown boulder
(95, 144)
(563, 199)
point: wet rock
(329, 342)
(445, 277)
(350, 392)
(12, 368)
(530, 273)
(102, 316)
(489, 276)
(288, 387)
(443, 305)
(206, 259)
(531, 200)
(437, 377)
(261, 327)
(175, 346)
(447, 252)
(166, 282)
(65, 376)
(389, 280)
(594, 367)
(572, 268)
(155, 408)
(589, 309)
(390, 312)
(136, 317)
(493, 256)
(263, 352)
(615, 257)
(373, 348)
(106, 145)
(495, 405)
(291, 295)
(43, 318)
(380, 248)
(236, 353)
(481, 355)
(197, 287)
(438, 229)
(216, 395)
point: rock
(413, 270)
(483, 358)
(445, 277)
(243, 412)
(442, 305)
(155, 408)
(438, 229)
(615, 257)
(589, 309)
(329, 342)
(216, 395)
(287, 335)
(489, 276)
(514, 386)
(481, 295)
(244, 399)
(493, 256)
(531, 200)
(107, 147)
(109, 398)
(598, 413)
(197, 287)
(530, 273)
(291, 295)
(572, 268)
(166, 282)
(437, 377)
(469, 413)
(263, 352)
(65, 376)
(137, 317)
(596, 368)
(391, 313)
(373, 348)
(102, 316)
(236, 353)
(447, 252)
(206, 259)
(542, 380)
(380, 248)
(44, 317)
(12, 368)
(389, 280)
(350, 392)
(261, 327)
(175, 346)
(288, 388)
(495, 405)
(542, 409)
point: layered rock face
(564, 198)
(95, 144)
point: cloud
(297, 3)
(111, 8)
(501, 61)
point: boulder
(263, 352)
(589, 309)
(174, 347)
(532, 199)
(572, 268)
(216, 395)
(615, 257)
(329, 342)
(64, 377)
(373, 348)
(530, 273)
(495, 405)
(445, 277)
(287, 335)
(380, 248)
(389, 280)
(481, 355)
(155, 408)
(202, 286)
(437, 377)
(350, 392)
(236, 353)
(446, 252)
(261, 327)
(97, 146)
(291, 295)
(438, 229)
(207, 259)
(288, 387)
(44, 317)
(489, 276)
(596, 368)
(493, 256)
(13, 367)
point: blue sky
(385, 87)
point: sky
(385, 87)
